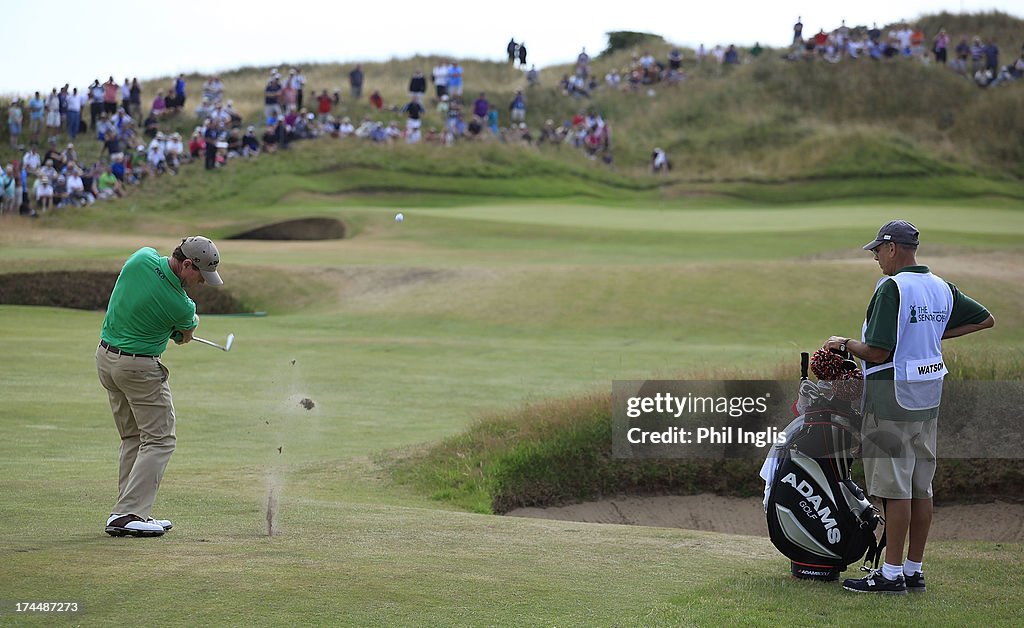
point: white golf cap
(204, 254)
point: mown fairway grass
(402, 336)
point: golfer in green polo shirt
(148, 307)
(910, 313)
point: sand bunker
(997, 521)
(298, 229)
(90, 290)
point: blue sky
(51, 43)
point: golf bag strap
(876, 548)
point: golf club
(226, 347)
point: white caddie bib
(926, 303)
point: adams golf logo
(920, 314)
(812, 507)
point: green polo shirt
(881, 318)
(147, 304)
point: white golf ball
(399, 217)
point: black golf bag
(817, 516)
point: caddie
(910, 313)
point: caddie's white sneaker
(131, 525)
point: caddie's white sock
(910, 568)
(891, 572)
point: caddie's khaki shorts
(899, 457)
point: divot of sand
(307, 403)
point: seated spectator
(60, 191)
(31, 161)
(174, 151)
(270, 139)
(43, 193)
(118, 168)
(159, 106)
(156, 159)
(77, 194)
(109, 186)
(533, 77)
(70, 155)
(250, 143)
(197, 143)
(660, 161)
(377, 100)
(345, 128)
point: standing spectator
(939, 45)
(53, 113)
(512, 50)
(8, 188)
(355, 81)
(583, 63)
(414, 110)
(298, 81)
(179, 92)
(272, 99)
(36, 111)
(977, 55)
(95, 102)
(110, 93)
(875, 33)
(798, 32)
(732, 56)
(992, 56)
(62, 97)
(522, 54)
(210, 136)
(126, 95)
(324, 105)
(75, 102)
(492, 120)
(289, 95)
(440, 78)
(417, 86)
(517, 108)
(14, 118)
(135, 99)
(455, 80)
(963, 52)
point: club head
(231, 340)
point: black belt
(111, 348)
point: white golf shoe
(163, 523)
(132, 525)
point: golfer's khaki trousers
(140, 399)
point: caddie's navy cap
(898, 231)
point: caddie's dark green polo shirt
(881, 318)
(147, 304)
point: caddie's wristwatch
(842, 345)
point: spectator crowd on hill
(131, 148)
